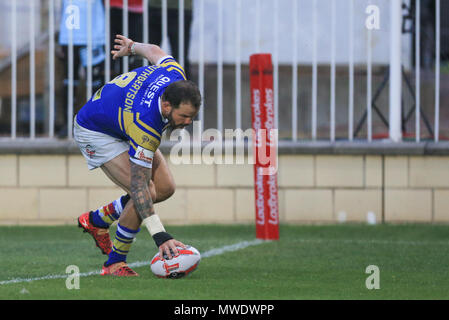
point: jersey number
(122, 81)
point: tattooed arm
(140, 191)
(143, 204)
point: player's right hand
(170, 244)
(121, 47)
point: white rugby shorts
(96, 147)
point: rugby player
(119, 130)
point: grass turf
(309, 262)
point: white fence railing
(298, 33)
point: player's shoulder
(165, 59)
(172, 66)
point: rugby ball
(177, 267)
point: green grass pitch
(308, 262)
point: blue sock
(104, 216)
(124, 238)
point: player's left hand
(121, 47)
(169, 246)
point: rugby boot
(119, 269)
(100, 235)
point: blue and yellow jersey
(128, 107)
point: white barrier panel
(395, 71)
(51, 62)
(14, 70)
(437, 68)
(418, 71)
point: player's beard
(171, 123)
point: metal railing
(279, 16)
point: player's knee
(169, 190)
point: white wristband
(153, 224)
(133, 49)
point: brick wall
(55, 189)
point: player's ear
(166, 107)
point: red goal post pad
(265, 138)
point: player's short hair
(182, 91)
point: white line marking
(206, 254)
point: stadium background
(323, 176)
(339, 171)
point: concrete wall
(56, 189)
